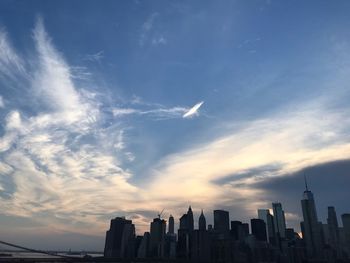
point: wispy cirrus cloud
(97, 57)
(62, 151)
(10, 63)
(146, 32)
(161, 40)
(2, 103)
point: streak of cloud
(2, 103)
(97, 57)
(193, 111)
(147, 26)
(158, 113)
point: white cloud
(13, 121)
(154, 113)
(2, 103)
(130, 156)
(11, 65)
(147, 26)
(52, 80)
(165, 113)
(193, 111)
(123, 111)
(97, 57)
(159, 41)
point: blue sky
(93, 96)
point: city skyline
(126, 108)
(267, 238)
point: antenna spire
(307, 189)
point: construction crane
(159, 214)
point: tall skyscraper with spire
(311, 227)
(190, 221)
(185, 234)
(202, 224)
(200, 242)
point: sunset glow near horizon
(125, 108)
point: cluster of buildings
(266, 240)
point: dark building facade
(258, 229)
(202, 224)
(346, 231)
(221, 222)
(120, 239)
(265, 215)
(157, 238)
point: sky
(125, 108)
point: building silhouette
(333, 230)
(185, 234)
(279, 220)
(200, 242)
(170, 240)
(270, 239)
(171, 225)
(120, 239)
(258, 229)
(157, 238)
(190, 221)
(143, 249)
(346, 231)
(311, 227)
(264, 214)
(239, 231)
(221, 223)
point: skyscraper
(190, 221)
(200, 242)
(221, 222)
(200, 246)
(264, 214)
(170, 240)
(234, 232)
(183, 246)
(346, 229)
(311, 227)
(120, 239)
(333, 228)
(157, 240)
(171, 225)
(202, 225)
(143, 250)
(258, 229)
(279, 220)
(184, 222)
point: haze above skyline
(120, 108)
